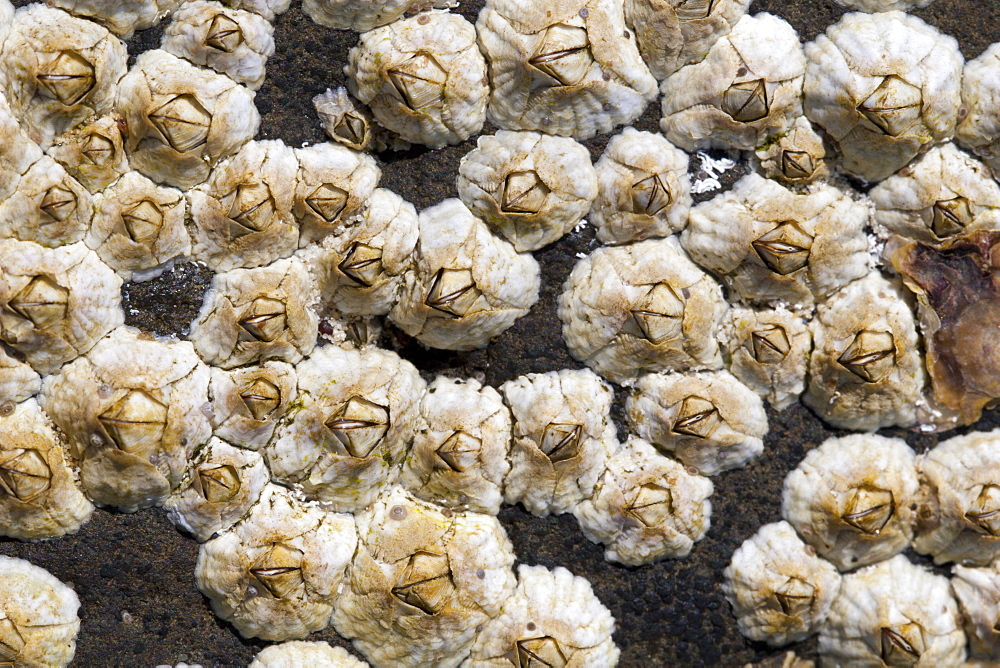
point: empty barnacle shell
(93, 153)
(739, 94)
(767, 243)
(356, 415)
(60, 70)
(222, 483)
(533, 188)
(468, 285)
(459, 453)
(854, 499)
(977, 131)
(978, 594)
(342, 119)
(708, 420)
(780, 590)
(562, 438)
(233, 42)
(302, 653)
(573, 70)
(552, 619)
(49, 206)
(769, 353)
(643, 188)
(181, 119)
(38, 616)
(364, 16)
(871, 85)
(276, 574)
(865, 371)
(893, 613)
(249, 401)
(797, 156)
(645, 507)
(422, 581)
(131, 409)
(423, 78)
(642, 307)
(121, 17)
(257, 314)
(55, 303)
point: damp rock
(249, 401)
(873, 6)
(39, 615)
(768, 351)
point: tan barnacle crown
(419, 80)
(871, 355)
(453, 292)
(746, 101)
(142, 221)
(328, 201)
(652, 504)
(183, 122)
(460, 451)
(42, 302)
(251, 209)
(561, 441)
(902, 644)
(950, 216)
(362, 264)
(659, 314)
(784, 249)
(67, 78)
(224, 34)
(523, 192)
(24, 474)
(697, 417)
(650, 195)
(893, 107)
(58, 203)
(563, 54)
(984, 511)
(261, 398)
(264, 319)
(768, 345)
(869, 509)
(425, 582)
(11, 640)
(796, 597)
(98, 149)
(693, 10)
(135, 423)
(279, 571)
(359, 425)
(538, 652)
(797, 165)
(218, 484)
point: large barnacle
(980, 86)
(93, 153)
(38, 616)
(123, 16)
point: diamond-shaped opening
(425, 582)
(328, 201)
(984, 512)
(42, 301)
(871, 356)
(901, 645)
(359, 425)
(693, 10)
(563, 54)
(363, 264)
(769, 345)
(950, 216)
(869, 509)
(523, 192)
(261, 398)
(652, 505)
(264, 320)
(251, 210)
(419, 81)
(894, 106)
(58, 203)
(279, 571)
(561, 441)
(98, 149)
(11, 640)
(219, 483)
(697, 417)
(796, 597)
(797, 165)
(24, 474)
(183, 122)
(784, 249)
(352, 129)
(746, 101)
(67, 78)
(135, 423)
(142, 221)
(460, 451)
(539, 652)
(454, 293)
(650, 195)
(224, 34)
(659, 314)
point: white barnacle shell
(17, 151)
(749, 86)
(364, 16)
(332, 187)
(865, 371)
(343, 120)
(305, 654)
(39, 497)
(675, 33)
(93, 153)
(6, 17)
(459, 453)
(268, 9)
(38, 615)
(708, 420)
(854, 499)
(553, 618)
(884, 87)
(422, 581)
(360, 271)
(132, 412)
(257, 314)
(959, 516)
(569, 69)
(768, 351)
(781, 592)
(797, 156)
(55, 303)
(233, 42)
(423, 78)
(354, 420)
(943, 193)
(767, 243)
(49, 207)
(248, 402)
(643, 188)
(59, 70)
(18, 381)
(893, 614)
(243, 215)
(873, 6)
(468, 285)
(222, 483)
(641, 307)
(532, 188)
(979, 131)
(121, 17)
(138, 227)
(562, 438)
(182, 119)
(646, 507)
(978, 594)
(276, 574)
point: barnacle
(333, 187)
(121, 17)
(93, 153)
(343, 120)
(769, 353)
(304, 654)
(18, 381)
(49, 206)
(38, 616)
(978, 594)
(249, 401)
(980, 85)
(797, 157)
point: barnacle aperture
(652, 504)
(224, 34)
(362, 264)
(67, 78)
(650, 195)
(183, 121)
(24, 474)
(871, 355)
(425, 583)
(563, 54)
(893, 107)
(261, 398)
(768, 345)
(142, 221)
(359, 425)
(58, 203)
(746, 101)
(453, 292)
(901, 645)
(796, 597)
(523, 192)
(561, 441)
(540, 652)
(135, 423)
(950, 216)
(279, 571)
(264, 320)
(460, 451)
(659, 314)
(869, 509)
(219, 484)
(797, 165)
(697, 417)
(97, 149)
(984, 511)
(419, 81)
(328, 201)
(252, 209)
(784, 249)
(43, 302)
(693, 10)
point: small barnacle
(332, 188)
(364, 16)
(708, 420)
(49, 206)
(181, 119)
(467, 287)
(645, 507)
(93, 153)
(865, 371)
(249, 401)
(893, 614)
(854, 499)
(276, 574)
(980, 85)
(123, 16)
(562, 437)
(135, 423)
(978, 594)
(233, 42)
(532, 188)
(305, 653)
(871, 85)
(423, 78)
(342, 119)
(357, 413)
(38, 616)
(422, 581)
